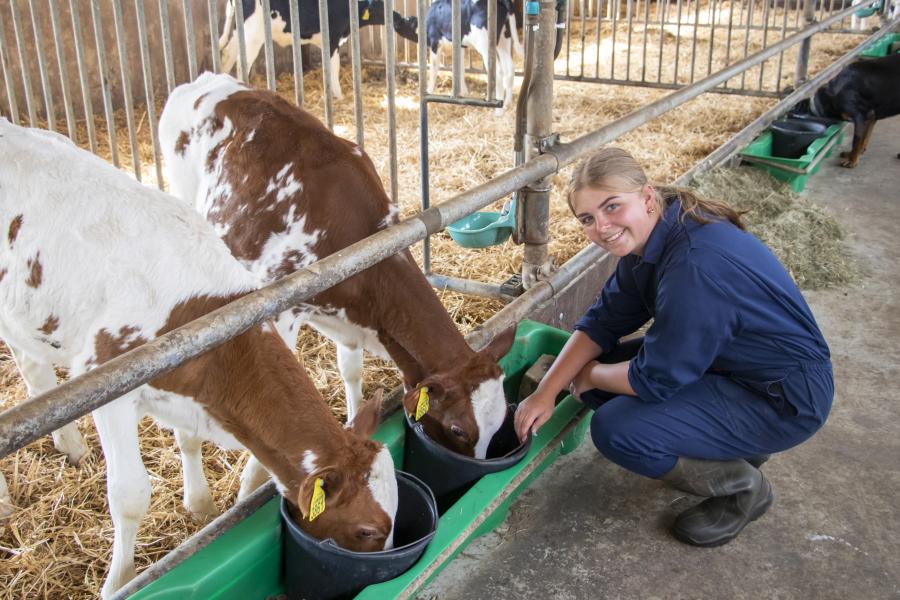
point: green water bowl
(483, 229)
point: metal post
(326, 64)
(356, 62)
(82, 73)
(63, 73)
(536, 265)
(42, 66)
(103, 68)
(7, 76)
(801, 73)
(214, 37)
(423, 133)
(269, 50)
(168, 61)
(189, 39)
(126, 87)
(296, 53)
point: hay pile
(58, 544)
(805, 237)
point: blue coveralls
(733, 366)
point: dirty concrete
(588, 529)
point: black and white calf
(473, 15)
(371, 12)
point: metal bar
(629, 6)
(662, 36)
(325, 34)
(42, 67)
(7, 75)
(356, 62)
(390, 69)
(63, 72)
(491, 66)
(83, 76)
(677, 40)
(190, 39)
(712, 36)
(103, 67)
(666, 86)
(166, 44)
(424, 187)
(612, 52)
(456, 54)
(781, 54)
(599, 36)
(803, 53)
(296, 52)
(569, 10)
(747, 37)
(467, 286)
(644, 44)
(214, 36)
(42, 414)
(694, 42)
(765, 41)
(269, 50)
(463, 101)
(126, 88)
(583, 32)
(26, 78)
(148, 88)
(243, 67)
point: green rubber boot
(737, 493)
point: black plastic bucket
(449, 474)
(812, 119)
(791, 137)
(321, 570)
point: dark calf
(863, 92)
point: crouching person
(732, 369)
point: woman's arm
(607, 377)
(535, 410)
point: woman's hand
(533, 411)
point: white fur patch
(489, 406)
(383, 485)
(309, 461)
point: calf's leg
(197, 497)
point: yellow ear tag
(317, 504)
(365, 16)
(422, 405)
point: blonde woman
(732, 369)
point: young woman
(732, 369)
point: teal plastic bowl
(483, 229)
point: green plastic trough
(793, 171)
(245, 562)
(883, 46)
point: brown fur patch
(50, 325)
(2, 274)
(36, 271)
(14, 227)
(182, 143)
(198, 101)
(108, 346)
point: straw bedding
(58, 543)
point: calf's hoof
(849, 164)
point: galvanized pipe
(456, 35)
(243, 68)
(166, 44)
(214, 36)
(148, 88)
(809, 15)
(26, 78)
(63, 73)
(421, 49)
(391, 77)
(82, 72)
(491, 65)
(324, 32)
(189, 39)
(296, 53)
(7, 76)
(103, 68)
(126, 88)
(269, 51)
(42, 414)
(356, 60)
(42, 67)
(467, 286)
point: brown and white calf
(101, 264)
(283, 192)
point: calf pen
(72, 559)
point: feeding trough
(484, 228)
(321, 570)
(450, 474)
(791, 137)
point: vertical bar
(63, 72)
(809, 17)
(612, 52)
(630, 6)
(190, 39)
(661, 9)
(599, 36)
(765, 41)
(694, 42)
(747, 37)
(103, 67)
(82, 73)
(583, 32)
(423, 133)
(26, 78)
(728, 42)
(243, 67)
(456, 56)
(781, 54)
(569, 10)
(392, 93)
(326, 63)
(166, 44)
(491, 65)
(148, 88)
(269, 51)
(42, 66)
(677, 40)
(356, 65)
(126, 88)
(712, 35)
(644, 44)
(214, 36)
(7, 76)
(297, 54)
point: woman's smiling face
(619, 222)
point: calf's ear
(435, 393)
(332, 481)
(369, 416)
(500, 345)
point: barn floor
(588, 529)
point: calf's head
(359, 487)
(466, 403)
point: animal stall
(101, 76)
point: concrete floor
(588, 529)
